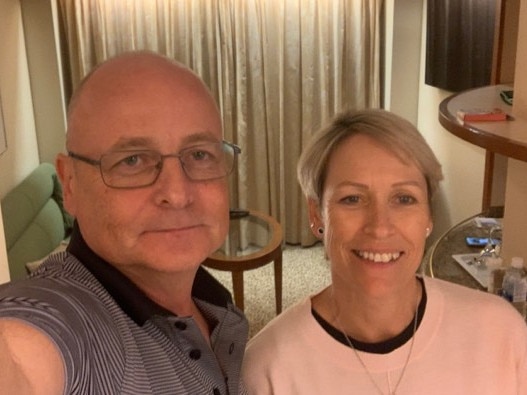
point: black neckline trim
(134, 302)
(383, 347)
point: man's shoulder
(62, 286)
(59, 273)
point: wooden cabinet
(505, 41)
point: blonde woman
(379, 328)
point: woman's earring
(320, 231)
(428, 232)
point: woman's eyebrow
(414, 183)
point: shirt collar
(134, 302)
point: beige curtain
(278, 68)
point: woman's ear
(315, 218)
(429, 228)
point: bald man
(127, 309)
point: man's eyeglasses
(141, 168)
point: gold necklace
(364, 365)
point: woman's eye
(406, 199)
(353, 199)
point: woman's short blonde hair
(393, 132)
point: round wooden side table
(254, 240)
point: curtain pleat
(279, 69)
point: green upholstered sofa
(35, 223)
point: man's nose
(173, 186)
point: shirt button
(180, 325)
(195, 354)
(231, 348)
(216, 391)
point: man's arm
(30, 362)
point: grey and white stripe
(106, 352)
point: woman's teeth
(384, 257)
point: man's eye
(200, 155)
(203, 155)
(131, 160)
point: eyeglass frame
(236, 150)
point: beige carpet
(305, 271)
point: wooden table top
(508, 138)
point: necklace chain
(364, 365)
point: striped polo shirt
(115, 340)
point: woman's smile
(378, 257)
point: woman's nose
(379, 221)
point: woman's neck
(366, 318)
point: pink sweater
(469, 342)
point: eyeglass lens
(132, 169)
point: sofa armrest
(34, 223)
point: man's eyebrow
(201, 137)
(134, 142)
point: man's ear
(64, 167)
(315, 218)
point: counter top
(508, 138)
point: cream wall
(403, 49)
(41, 38)
(407, 95)
(4, 270)
(21, 156)
(463, 163)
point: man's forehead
(133, 74)
(114, 98)
(149, 141)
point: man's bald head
(129, 76)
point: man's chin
(174, 260)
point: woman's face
(375, 216)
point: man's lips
(173, 229)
